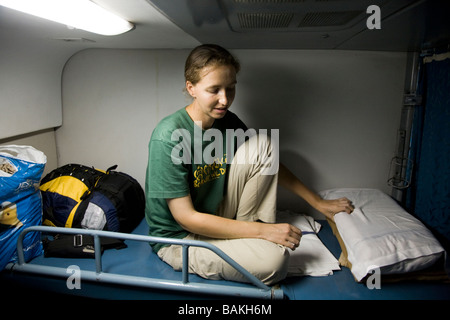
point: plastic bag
(21, 168)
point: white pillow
(380, 233)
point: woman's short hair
(207, 55)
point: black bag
(77, 196)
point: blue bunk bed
(137, 273)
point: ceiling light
(79, 14)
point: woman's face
(213, 94)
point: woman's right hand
(282, 233)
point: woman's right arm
(213, 226)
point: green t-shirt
(184, 159)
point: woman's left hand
(330, 207)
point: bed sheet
(311, 258)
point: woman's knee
(275, 267)
(260, 153)
(264, 259)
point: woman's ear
(190, 88)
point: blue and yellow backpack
(78, 196)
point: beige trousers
(250, 196)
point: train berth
(135, 272)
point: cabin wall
(31, 67)
(30, 86)
(337, 111)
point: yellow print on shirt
(209, 172)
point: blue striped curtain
(429, 195)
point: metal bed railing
(258, 290)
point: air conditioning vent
(264, 20)
(327, 19)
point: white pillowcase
(380, 233)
